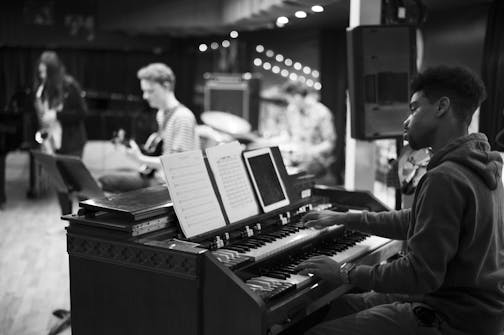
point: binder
(133, 206)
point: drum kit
(221, 127)
(226, 127)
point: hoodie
(454, 236)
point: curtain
(492, 110)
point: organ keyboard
(235, 280)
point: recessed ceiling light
(300, 14)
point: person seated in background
(450, 280)
(176, 131)
(310, 136)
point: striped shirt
(177, 127)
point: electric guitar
(50, 133)
(153, 146)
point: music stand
(69, 175)
(77, 177)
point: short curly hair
(464, 88)
(157, 72)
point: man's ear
(167, 85)
(444, 105)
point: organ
(237, 279)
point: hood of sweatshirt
(473, 152)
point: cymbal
(226, 122)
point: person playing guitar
(176, 131)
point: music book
(194, 198)
(228, 190)
(112, 221)
(232, 181)
(134, 205)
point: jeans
(377, 313)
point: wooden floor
(33, 259)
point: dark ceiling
(213, 17)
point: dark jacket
(455, 239)
(72, 118)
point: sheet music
(193, 196)
(232, 181)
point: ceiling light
(233, 34)
(306, 70)
(288, 62)
(297, 65)
(226, 43)
(317, 9)
(315, 74)
(300, 14)
(293, 76)
(203, 47)
(282, 20)
(275, 69)
(317, 86)
(257, 62)
(284, 73)
(279, 58)
(214, 45)
(309, 82)
(259, 48)
(270, 53)
(267, 65)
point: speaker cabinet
(381, 62)
(233, 93)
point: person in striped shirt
(176, 131)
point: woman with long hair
(61, 111)
(60, 107)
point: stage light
(214, 45)
(275, 69)
(306, 70)
(297, 66)
(293, 76)
(317, 9)
(300, 14)
(259, 48)
(226, 43)
(288, 62)
(302, 79)
(315, 74)
(257, 61)
(233, 34)
(317, 86)
(270, 53)
(284, 73)
(203, 47)
(266, 66)
(279, 58)
(309, 82)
